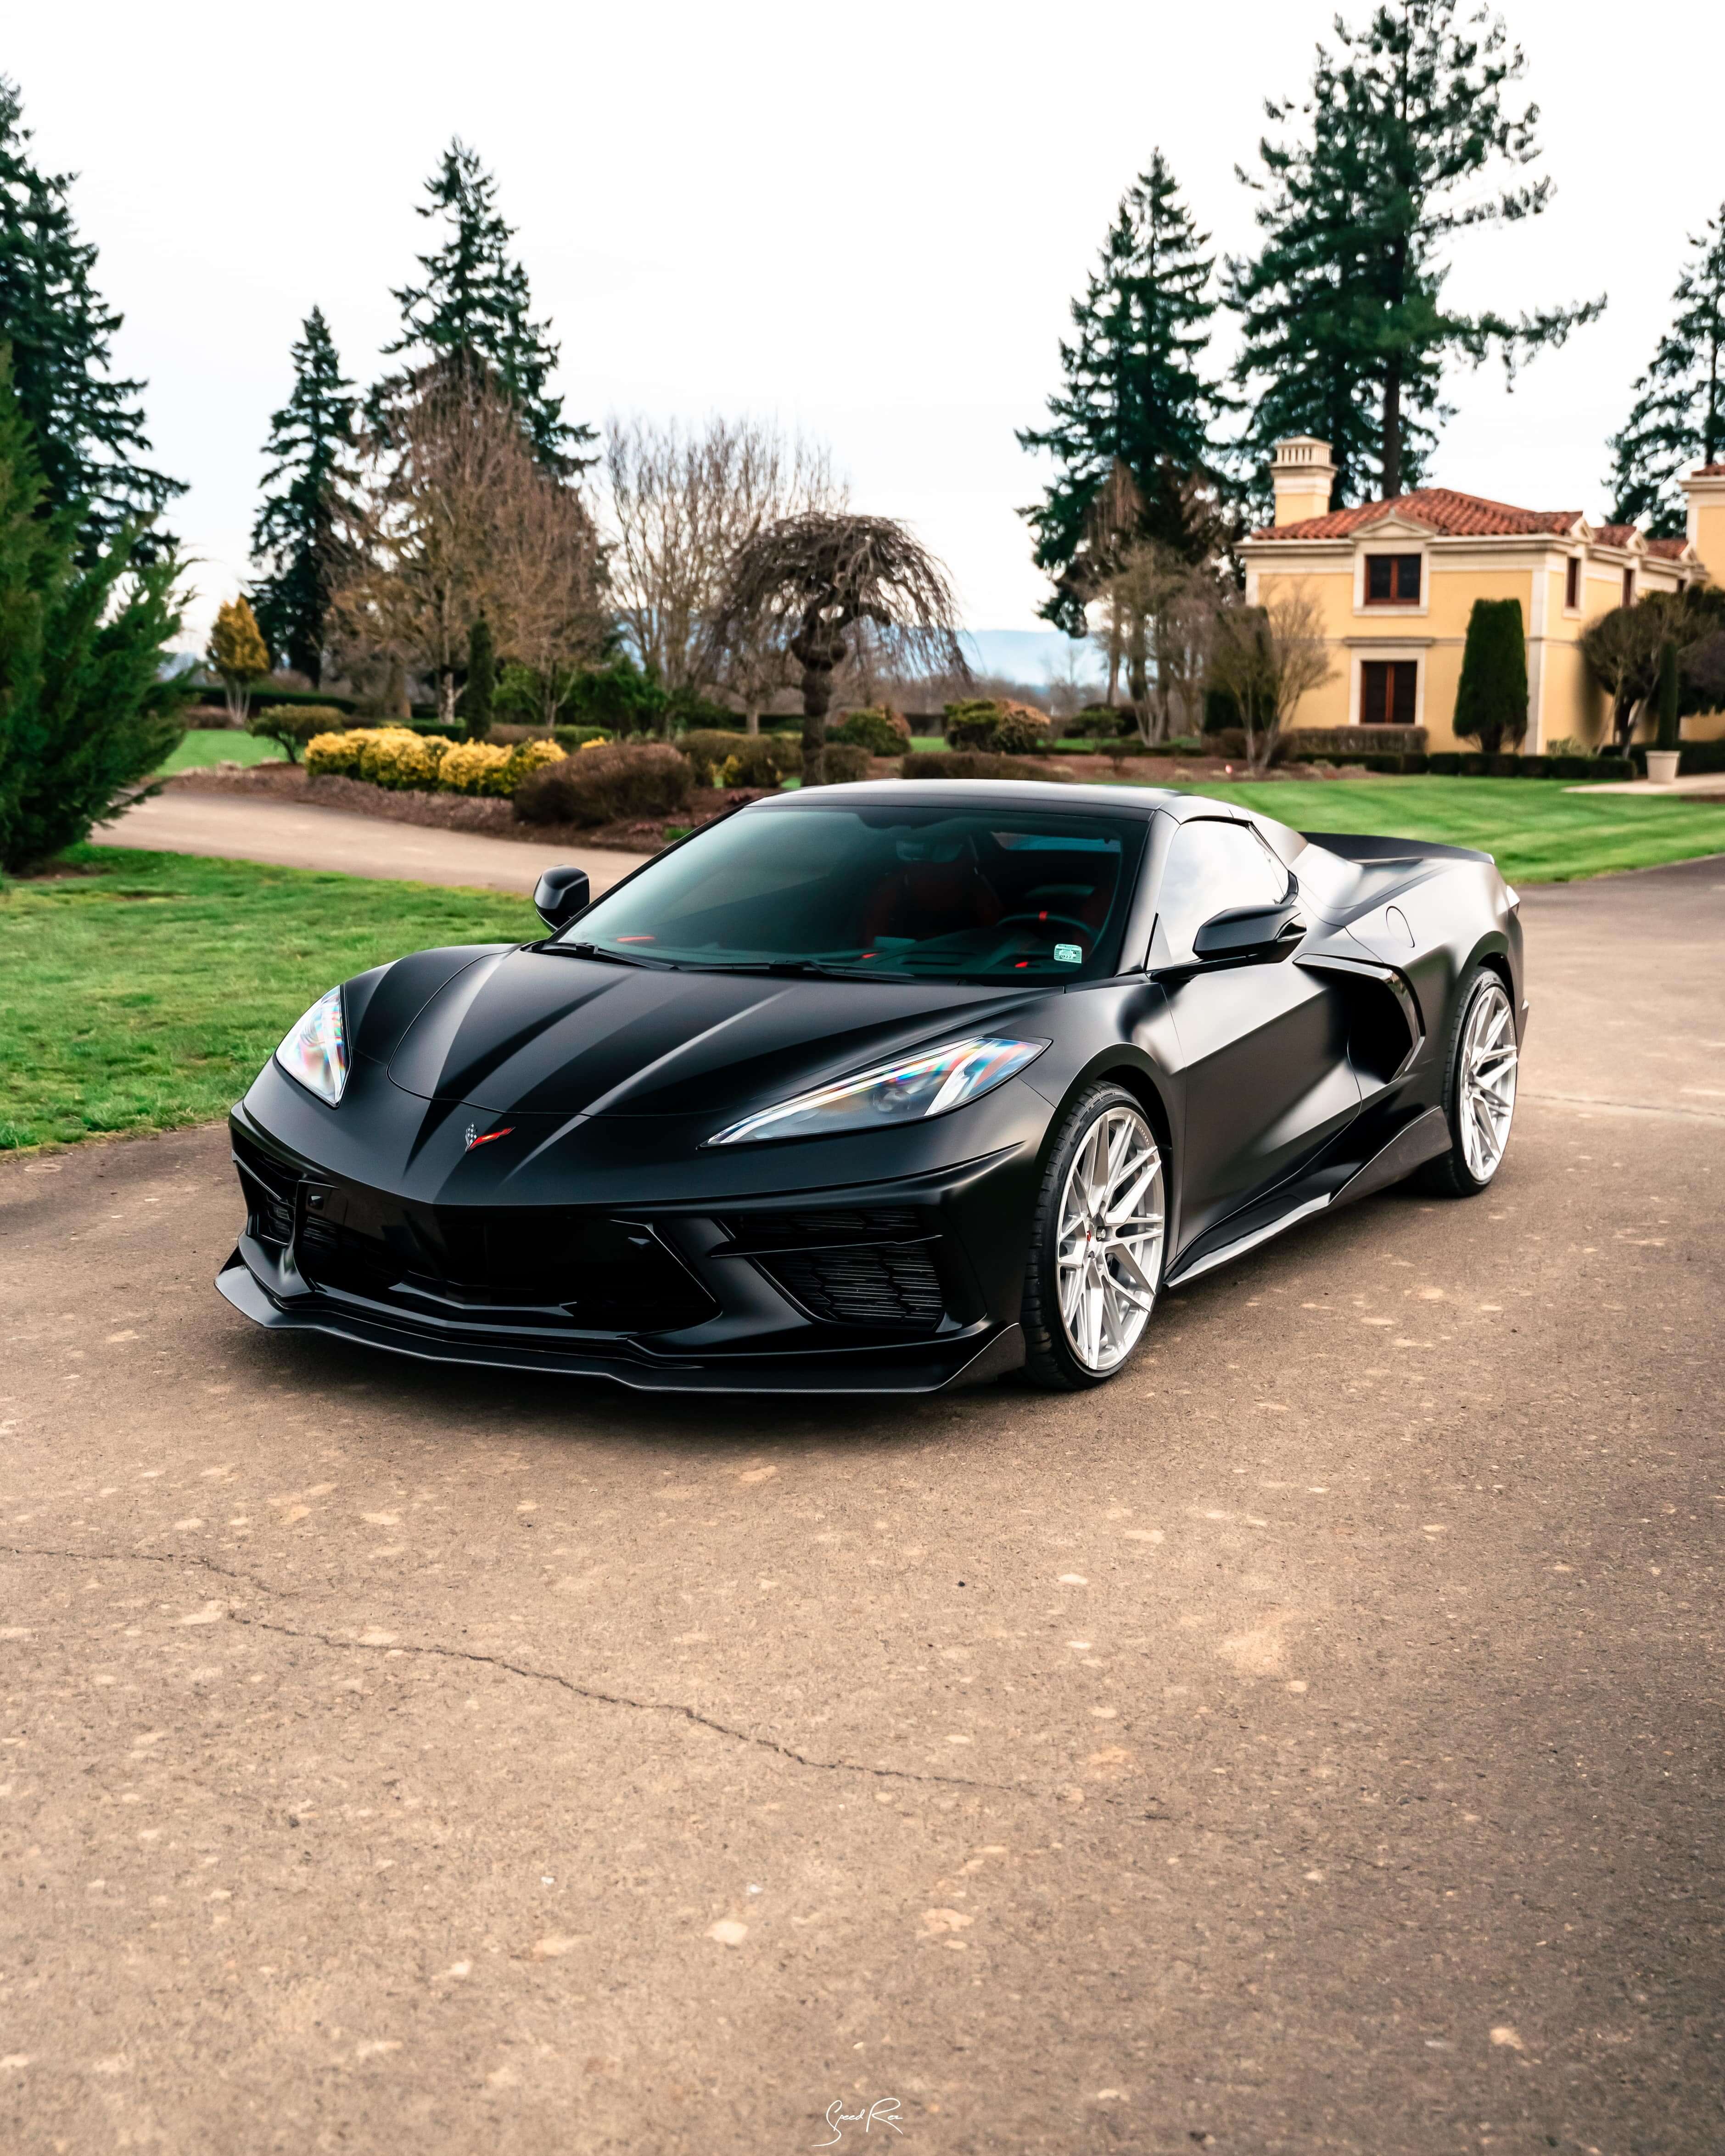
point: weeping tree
(827, 586)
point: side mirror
(560, 895)
(1247, 934)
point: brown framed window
(1392, 580)
(1629, 587)
(1572, 582)
(1388, 689)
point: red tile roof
(1708, 471)
(1613, 535)
(1667, 549)
(1454, 515)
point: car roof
(1028, 792)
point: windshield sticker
(1069, 954)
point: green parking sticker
(1069, 954)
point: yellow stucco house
(1395, 580)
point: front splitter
(992, 1357)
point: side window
(1212, 867)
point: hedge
(972, 763)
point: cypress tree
(297, 535)
(1678, 416)
(1669, 701)
(481, 684)
(1130, 429)
(86, 710)
(474, 311)
(1412, 139)
(87, 429)
(1492, 696)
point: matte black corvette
(883, 1087)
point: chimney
(1302, 476)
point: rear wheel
(1095, 1268)
(1479, 1089)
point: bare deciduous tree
(1268, 658)
(455, 518)
(681, 502)
(825, 586)
(1158, 612)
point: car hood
(529, 1032)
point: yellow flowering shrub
(396, 756)
(337, 753)
(531, 755)
(475, 767)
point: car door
(1263, 1046)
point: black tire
(1049, 1360)
(1451, 1174)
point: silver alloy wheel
(1108, 1257)
(1486, 1071)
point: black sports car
(883, 1087)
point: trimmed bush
(293, 725)
(1491, 698)
(607, 783)
(1323, 744)
(706, 747)
(400, 759)
(972, 763)
(880, 731)
(754, 762)
(336, 754)
(842, 763)
(1011, 729)
(569, 739)
(476, 768)
(1099, 723)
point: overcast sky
(868, 222)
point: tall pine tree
(88, 430)
(1413, 138)
(1678, 416)
(474, 311)
(1130, 429)
(298, 534)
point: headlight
(316, 1051)
(908, 1092)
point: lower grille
(891, 1286)
(269, 1189)
(777, 1231)
(540, 1266)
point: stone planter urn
(1662, 765)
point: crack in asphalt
(601, 1698)
(155, 1557)
(590, 1693)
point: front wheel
(1095, 1267)
(1479, 1089)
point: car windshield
(927, 893)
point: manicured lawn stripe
(1539, 831)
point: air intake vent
(269, 1189)
(781, 1231)
(890, 1286)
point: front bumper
(593, 1252)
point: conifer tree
(298, 534)
(87, 708)
(474, 312)
(1678, 416)
(85, 421)
(237, 653)
(1130, 428)
(1411, 137)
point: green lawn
(1538, 830)
(205, 745)
(147, 992)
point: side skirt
(1416, 1143)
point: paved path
(291, 834)
(1696, 785)
(1309, 1742)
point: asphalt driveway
(1310, 1742)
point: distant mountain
(1028, 654)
